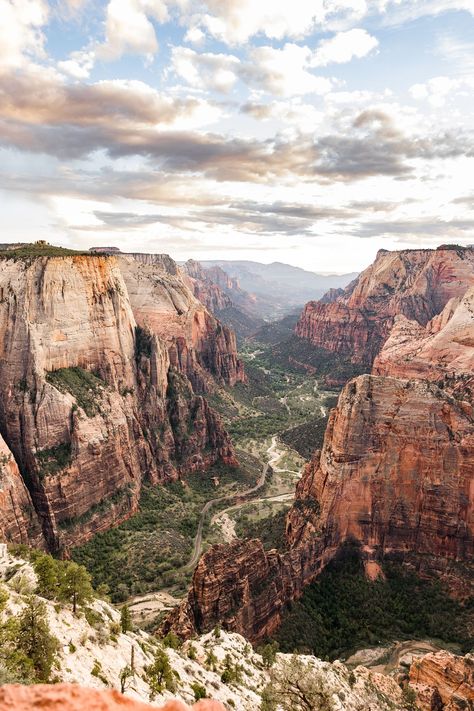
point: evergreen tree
(75, 585)
(33, 641)
(47, 573)
(159, 675)
(126, 619)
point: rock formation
(70, 697)
(196, 341)
(396, 469)
(90, 405)
(443, 351)
(414, 283)
(443, 682)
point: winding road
(238, 498)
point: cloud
(344, 47)
(128, 28)
(205, 70)
(235, 21)
(79, 65)
(21, 31)
(438, 89)
(283, 72)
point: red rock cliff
(443, 682)
(414, 283)
(89, 406)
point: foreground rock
(443, 681)
(416, 284)
(67, 697)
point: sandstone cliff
(443, 351)
(414, 283)
(443, 682)
(198, 344)
(89, 404)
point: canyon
(95, 396)
(395, 472)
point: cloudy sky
(312, 132)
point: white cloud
(79, 65)
(128, 27)
(284, 72)
(236, 21)
(437, 90)
(344, 47)
(194, 35)
(20, 30)
(205, 71)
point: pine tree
(126, 619)
(33, 639)
(75, 585)
(159, 675)
(47, 573)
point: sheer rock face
(414, 283)
(217, 290)
(70, 697)
(443, 681)
(396, 473)
(18, 520)
(442, 351)
(83, 449)
(198, 344)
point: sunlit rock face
(90, 405)
(396, 469)
(198, 345)
(443, 680)
(69, 697)
(416, 284)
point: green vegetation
(84, 386)
(296, 686)
(53, 460)
(65, 581)
(143, 343)
(343, 610)
(28, 650)
(126, 624)
(148, 550)
(198, 690)
(159, 675)
(41, 249)
(307, 437)
(270, 530)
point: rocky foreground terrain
(396, 468)
(104, 361)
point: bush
(198, 690)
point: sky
(307, 132)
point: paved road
(240, 497)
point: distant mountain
(280, 287)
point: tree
(47, 573)
(296, 686)
(269, 652)
(126, 674)
(126, 619)
(33, 639)
(159, 675)
(75, 585)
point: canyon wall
(396, 470)
(90, 403)
(416, 284)
(198, 345)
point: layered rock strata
(90, 405)
(443, 682)
(416, 284)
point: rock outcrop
(198, 345)
(443, 682)
(90, 405)
(69, 697)
(416, 284)
(18, 520)
(443, 351)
